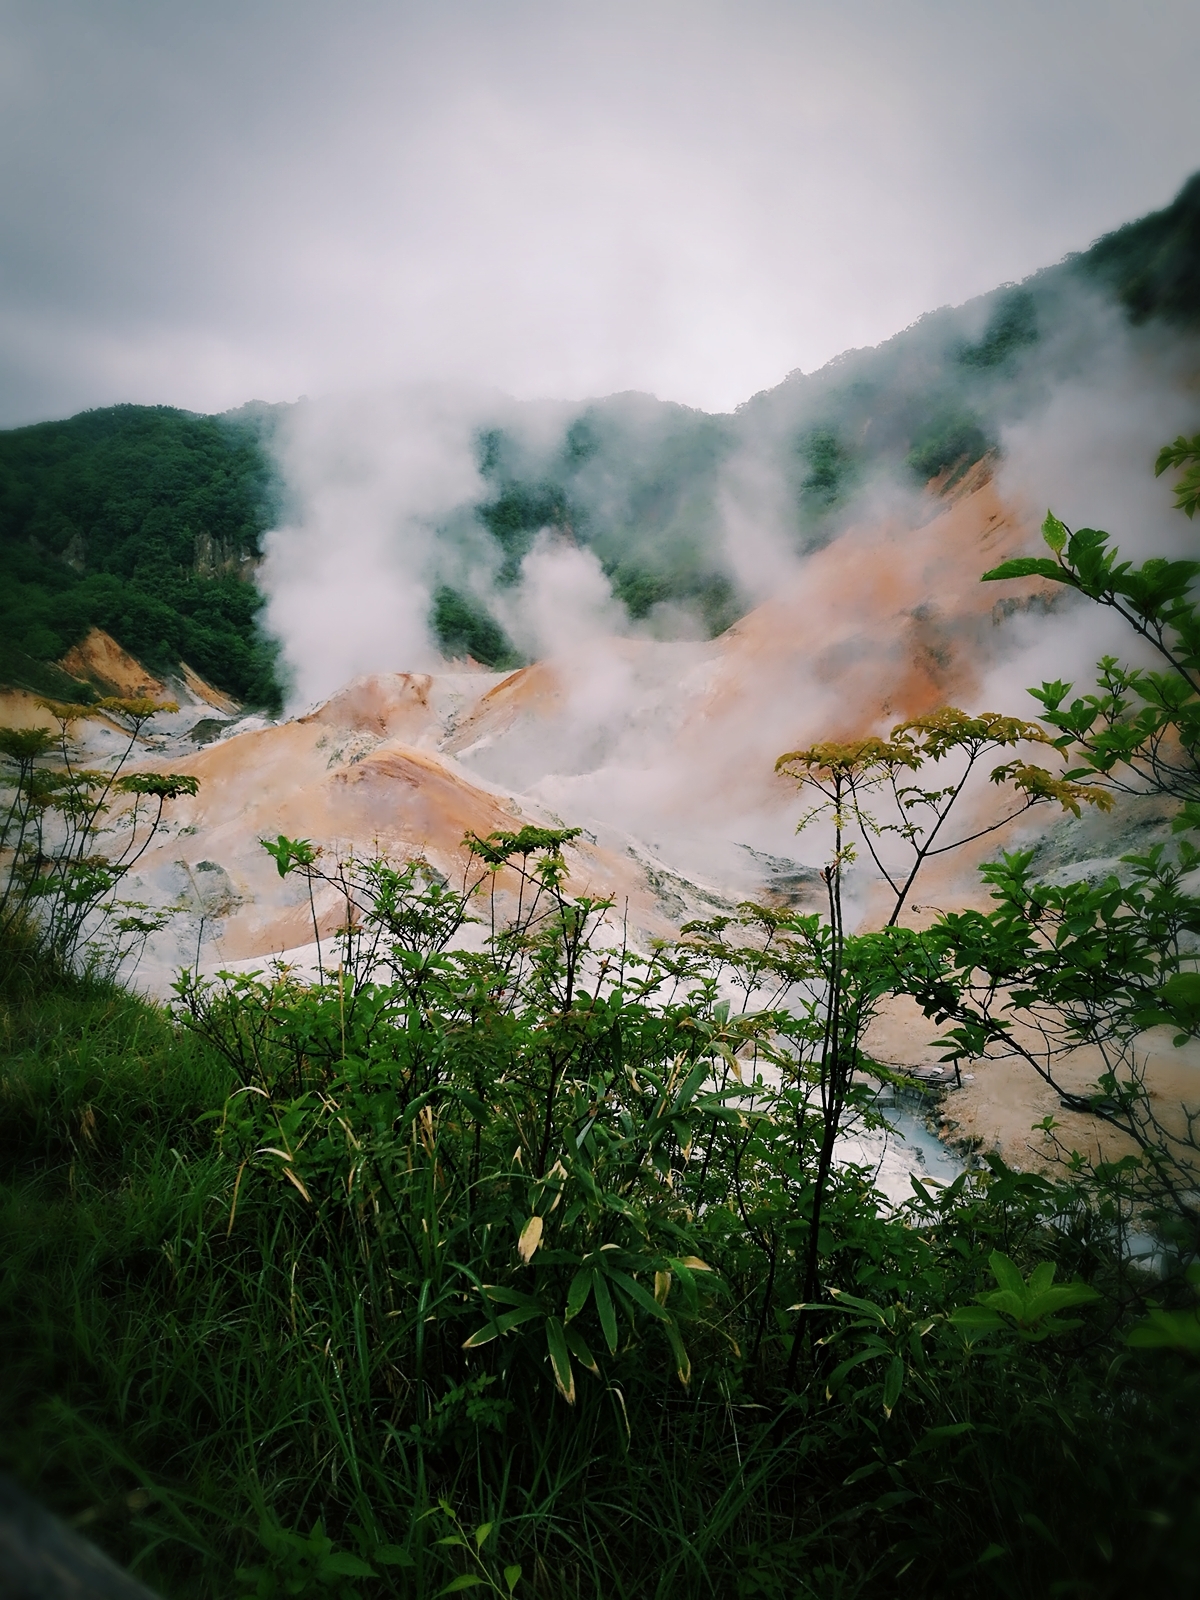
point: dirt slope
(664, 753)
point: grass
(194, 1388)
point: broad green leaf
(833, 1383)
(472, 1103)
(683, 1362)
(514, 1319)
(1006, 1300)
(1028, 567)
(1054, 533)
(512, 1577)
(344, 1565)
(577, 1294)
(977, 1318)
(1174, 1330)
(1006, 1274)
(859, 1473)
(392, 1555)
(933, 1437)
(1041, 1277)
(481, 1533)
(468, 1580)
(508, 1297)
(1057, 1299)
(510, 1319)
(867, 1307)
(694, 1081)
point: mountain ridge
(149, 522)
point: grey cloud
(198, 204)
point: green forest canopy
(144, 521)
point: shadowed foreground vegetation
(523, 1262)
(242, 1259)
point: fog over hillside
(612, 613)
(427, 523)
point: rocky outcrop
(100, 661)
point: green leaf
(933, 1437)
(578, 1347)
(1041, 1277)
(683, 1362)
(857, 1476)
(344, 1565)
(694, 1081)
(1054, 533)
(1058, 1299)
(1174, 1330)
(468, 1580)
(1007, 1275)
(481, 1533)
(604, 1306)
(1006, 1301)
(478, 1108)
(868, 1308)
(833, 1383)
(508, 1297)
(976, 1318)
(560, 1359)
(512, 1577)
(1029, 567)
(504, 1324)
(577, 1294)
(632, 1288)
(392, 1555)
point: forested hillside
(146, 522)
(647, 485)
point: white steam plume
(563, 601)
(348, 578)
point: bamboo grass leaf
(605, 1310)
(560, 1359)
(531, 1237)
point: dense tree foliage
(630, 479)
(1153, 264)
(1013, 324)
(144, 521)
(464, 628)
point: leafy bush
(61, 862)
(476, 1264)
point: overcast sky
(206, 202)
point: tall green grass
(199, 1383)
